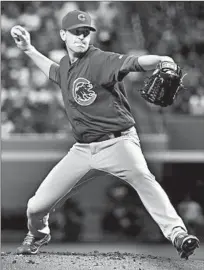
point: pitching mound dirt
(95, 261)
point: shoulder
(92, 52)
(64, 59)
(99, 56)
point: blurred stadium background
(35, 133)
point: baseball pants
(121, 157)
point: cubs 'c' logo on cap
(81, 17)
(82, 92)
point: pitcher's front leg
(124, 159)
(55, 187)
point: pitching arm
(41, 61)
(22, 39)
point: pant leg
(55, 187)
(123, 158)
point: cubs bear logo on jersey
(82, 92)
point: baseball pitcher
(91, 81)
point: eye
(82, 32)
(86, 33)
(77, 32)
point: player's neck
(73, 56)
(73, 59)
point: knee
(37, 207)
(32, 207)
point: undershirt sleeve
(131, 64)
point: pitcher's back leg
(53, 189)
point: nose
(81, 36)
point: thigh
(61, 179)
(124, 159)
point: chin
(80, 52)
(81, 49)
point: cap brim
(81, 25)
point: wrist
(29, 49)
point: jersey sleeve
(131, 64)
(110, 67)
(54, 74)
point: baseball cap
(75, 19)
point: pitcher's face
(77, 40)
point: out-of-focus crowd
(123, 217)
(30, 103)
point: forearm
(41, 61)
(23, 41)
(149, 62)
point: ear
(62, 34)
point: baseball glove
(163, 85)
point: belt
(114, 134)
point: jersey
(94, 93)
